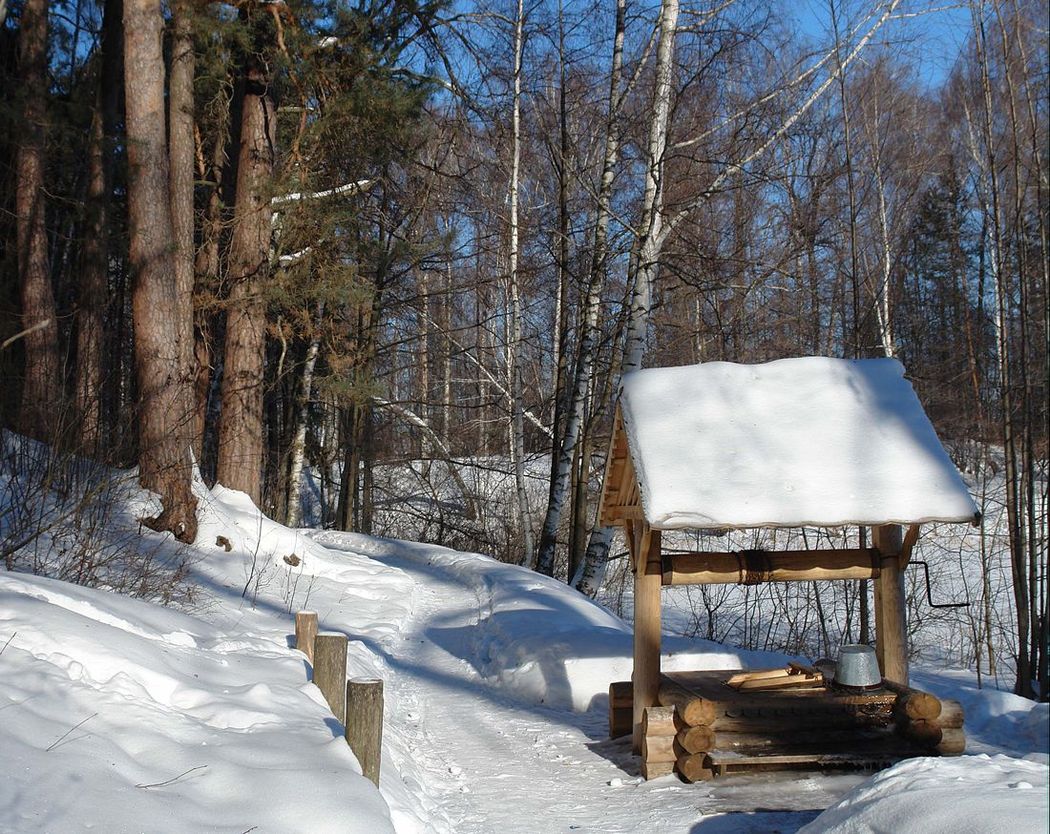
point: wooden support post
(306, 633)
(648, 573)
(891, 645)
(330, 671)
(364, 725)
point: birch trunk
(645, 264)
(584, 369)
(298, 450)
(514, 346)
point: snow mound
(810, 441)
(124, 716)
(966, 795)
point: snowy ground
(118, 715)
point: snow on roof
(809, 441)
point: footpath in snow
(119, 715)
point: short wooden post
(890, 610)
(364, 724)
(330, 671)
(648, 579)
(306, 633)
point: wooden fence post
(364, 724)
(330, 671)
(306, 633)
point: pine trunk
(241, 436)
(164, 454)
(42, 386)
(181, 151)
(92, 292)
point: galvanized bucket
(858, 668)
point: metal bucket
(858, 668)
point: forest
(382, 264)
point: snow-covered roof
(808, 441)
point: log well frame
(621, 504)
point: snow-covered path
(499, 763)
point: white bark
(295, 468)
(646, 260)
(514, 346)
(339, 191)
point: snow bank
(123, 716)
(538, 639)
(995, 720)
(966, 795)
(810, 441)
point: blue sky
(932, 41)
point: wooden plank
(891, 615)
(711, 685)
(613, 461)
(646, 626)
(773, 566)
(617, 514)
(793, 675)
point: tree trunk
(514, 346)
(1018, 556)
(295, 469)
(592, 304)
(241, 439)
(206, 281)
(41, 390)
(181, 148)
(92, 293)
(645, 264)
(164, 453)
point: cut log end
(695, 768)
(698, 739)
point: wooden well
(624, 503)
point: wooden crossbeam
(752, 567)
